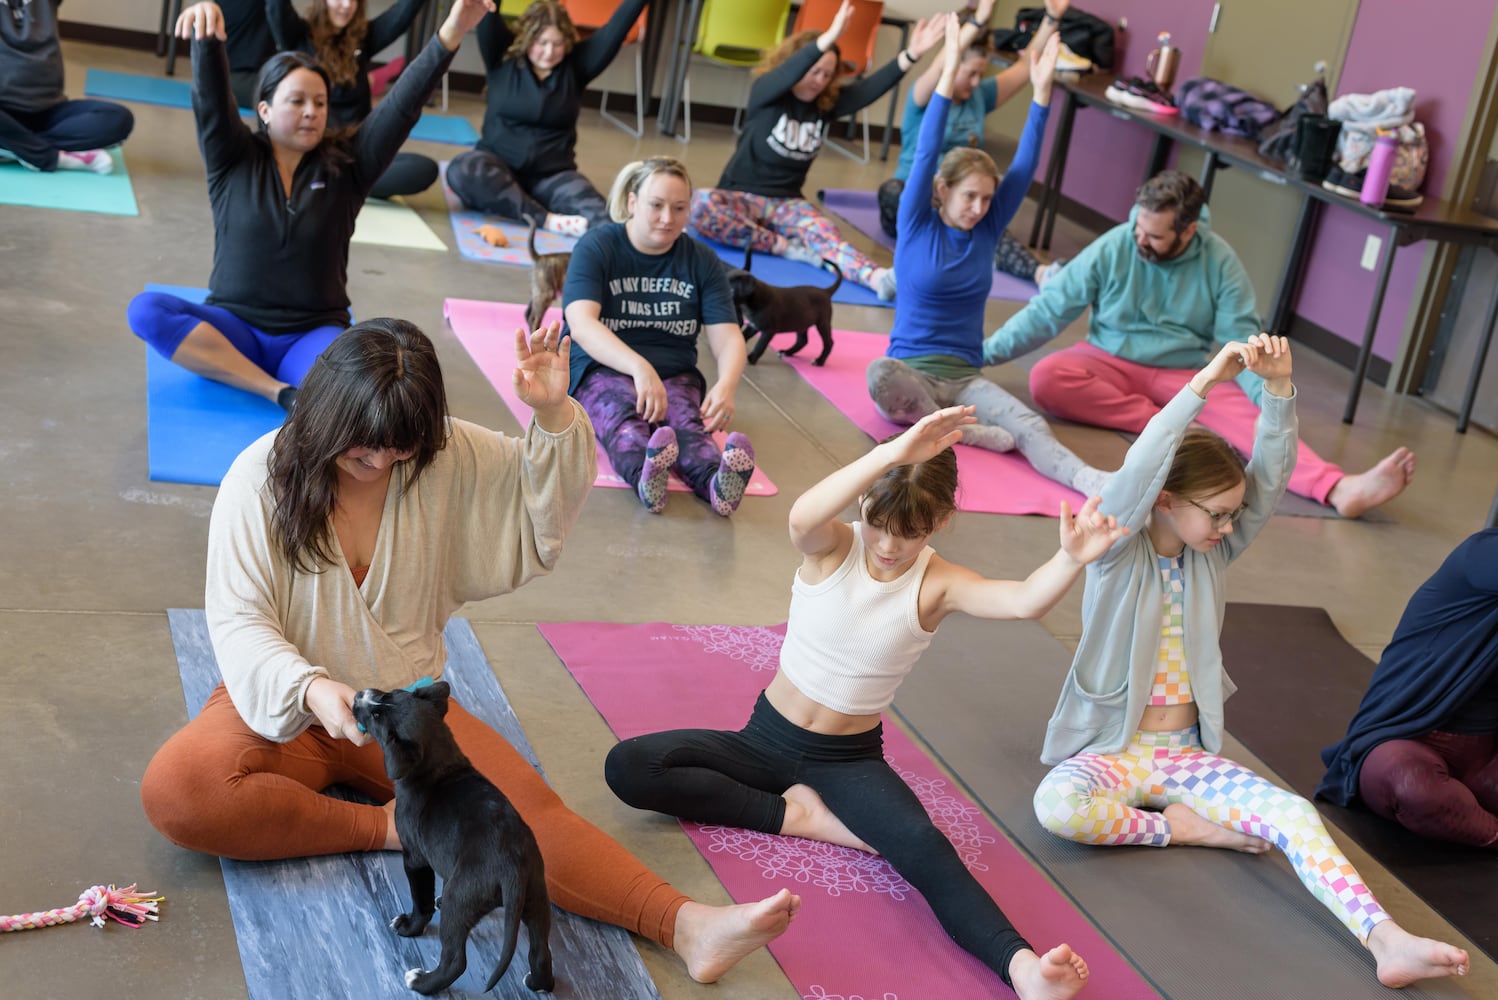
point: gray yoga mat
(1200, 924)
(314, 928)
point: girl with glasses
(1138, 730)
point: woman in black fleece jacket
(284, 201)
(343, 39)
(525, 162)
(758, 201)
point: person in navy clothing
(951, 221)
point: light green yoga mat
(73, 190)
(391, 224)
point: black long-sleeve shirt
(31, 71)
(783, 134)
(348, 104)
(531, 124)
(249, 40)
(280, 262)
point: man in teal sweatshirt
(1166, 294)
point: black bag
(1277, 139)
(1085, 34)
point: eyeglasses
(1217, 517)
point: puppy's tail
(832, 266)
(530, 238)
(514, 890)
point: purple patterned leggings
(738, 219)
(608, 397)
(1441, 785)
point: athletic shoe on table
(1141, 95)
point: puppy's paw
(408, 925)
(540, 984)
(412, 975)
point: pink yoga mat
(862, 930)
(487, 331)
(988, 482)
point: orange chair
(590, 15)
(857, 45)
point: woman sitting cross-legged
(339, 547)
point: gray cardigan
(1105, 692)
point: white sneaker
(885, 286)
(1046, 272)
(801, 253)
(97, 160)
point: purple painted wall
(1337, 291)
(1106, 163)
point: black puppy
(453, 822)
(767, 310)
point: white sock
(1089, 481)
(882, 280)
(96, 160)
(567, 225)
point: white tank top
(851, 639)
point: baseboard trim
(1345, 353)
(120, 38)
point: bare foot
(1354, 496)
(1057, 975)
(806, 815)
(1404, 958)
(1186, 827)
(712, 939)
(392, 839)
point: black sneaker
(1339, 181)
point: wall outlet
(1370, 252)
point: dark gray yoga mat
(315, 928)
(1200, 924)
(1283, 655)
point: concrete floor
(93, 553)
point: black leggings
(486, 184)
(408, 173)
(736, 779)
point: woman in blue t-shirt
(638, 293)
(950, 221)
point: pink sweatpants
(1088, 385)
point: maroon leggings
(1440, 785)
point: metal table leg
(1159, 154)
(894, 99)
(171, 42)
(1465, 416)
(1365, 351)
(1284, 296)
(163, 29)
(1209, 174)
(1059, 152)
(688, 14)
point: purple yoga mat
(861, 211)
(862, 930)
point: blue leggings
(164, 321)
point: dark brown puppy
(768, 309)
(453, 822)
(548, 274)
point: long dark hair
(378, 385)
(338, 48)
(334, 147)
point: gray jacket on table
(1103, 699)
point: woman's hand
(543, 372)
(1272, 363)
(929, 31)
(461, 19)
(930, 436)
(1043, 69)
(333, 705)
(840, 20)
(952, 51)
(200, 21)
(650, 393)
(1057, 8)
(718, 408)
(1089, 534)
(983, 14)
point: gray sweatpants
(904, 395)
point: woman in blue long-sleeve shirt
(951, 220)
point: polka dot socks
(734, 470)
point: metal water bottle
(1380, 166)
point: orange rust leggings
(219, 787)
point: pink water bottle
(1380, 166)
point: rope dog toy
(101, 903)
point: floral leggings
(739, 219)
(1097, 799)
(608, 397)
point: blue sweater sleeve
(1016, 182)
(915, 199)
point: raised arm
(1012, 79)
(1276, 439)
(860, 94)
(971, 26)
(594, 53)
(915, 199)
(222, 136)
(1065, 297)
(495, 39)
(389, 26)
(1016, 183)
(816, 528)
(287, 27)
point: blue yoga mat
(195, 427)
(178, 94)
(313, 928)
(74, 190)
(779, 271)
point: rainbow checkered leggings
(1115, 800)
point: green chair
(735, 33)
(511, 9)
